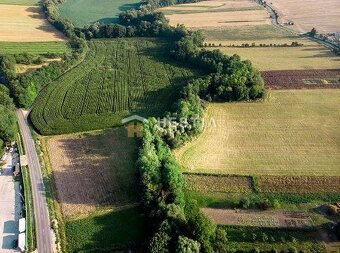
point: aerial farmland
(171, 126)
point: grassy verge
(54, 208)
(30, 223)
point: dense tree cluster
(176, 224)
(227, 78)
(25, 88)
(7, 116)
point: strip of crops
(34, 47)
(118, 78)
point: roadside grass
(29, 208)
(20, 2)
(30, 223)
(291, 133)
(34, 47)
(85, 12)
(105, 230)
(53, 204)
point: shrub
(244, 203)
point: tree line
(176, 223)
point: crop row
(117, 78)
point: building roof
(22, 241)
(22, 225)
(134, 118)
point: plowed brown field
(93, 170)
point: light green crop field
(34, 47)
(84, 12)
(118, 78)
(104, 230)
(20, 2)
(293, 132)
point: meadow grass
(293, 132)
(105, 230)
(84, 12)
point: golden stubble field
(26, 24)
(323, 15)
(294, 132)
(217, 13)
(93, 170)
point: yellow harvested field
(309, 56)
(213, 4)
(323, 15)
(293, 132)
(26, 24)
(219, 19)
(217, 13)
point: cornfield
(118, 78)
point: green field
(34, 47)
(293, 132)
(104, 230)
(20, 2)
(85, 12)
(118, 78)
(246, 33)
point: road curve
(42, 222)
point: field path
(44, 242)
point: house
(134, 125)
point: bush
(244, 203)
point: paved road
(44, 242)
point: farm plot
(85, 12)
(217, 13)
(26, 24)
(34, 47)
(118, 77)
(293, 184)
(270, 219)
(296, 79)
(310, 56)
(92, 170)
(324, 15)
(293, 132)
(218, 183)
